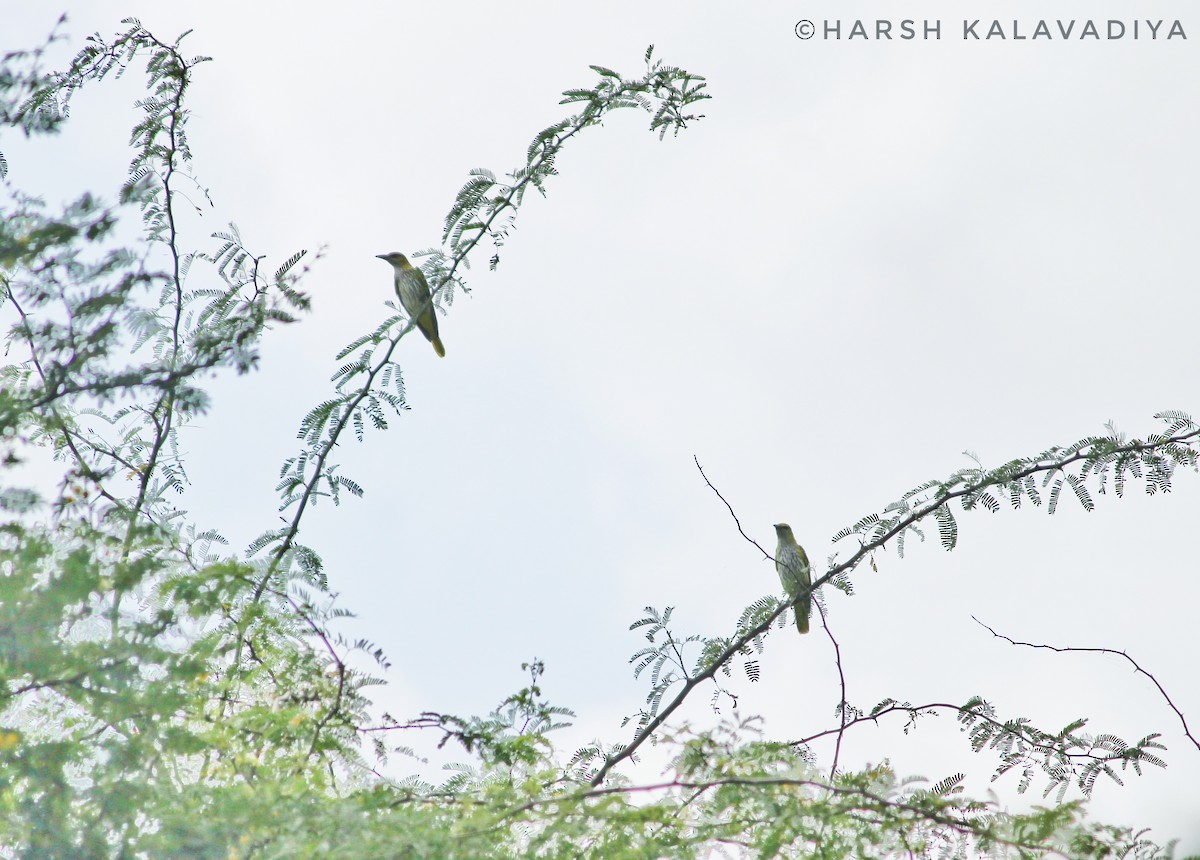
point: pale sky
(869, 257)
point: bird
(413, 291)
(791, 563)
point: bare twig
(1186, 731)
(837, 652)
(731, 513)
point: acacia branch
(1001, 476)
(976, 713)
(537, 168)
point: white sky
(868, 257)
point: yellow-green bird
(791, 563)
(413, 291)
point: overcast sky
(869, 257)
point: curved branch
(1137, 668)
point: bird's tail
(802, 612)
(438, 348)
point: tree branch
(1137, 668)
(1005, 475)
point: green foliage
(1061, 755)
(1101, 461)
(161, 699)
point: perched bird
(413, 291)
(791, 563)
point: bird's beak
(381, 256)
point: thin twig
(1186, 731)
(731, 513)
(837, 652)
